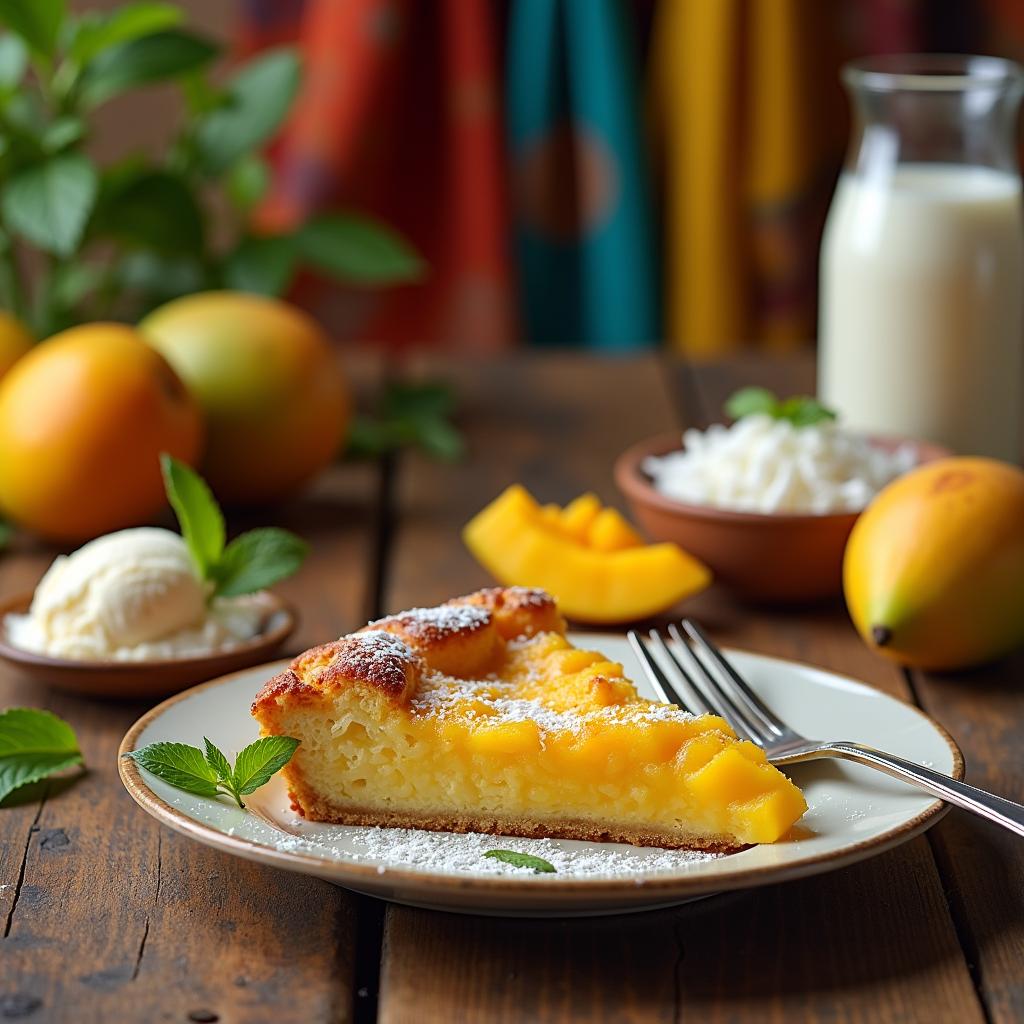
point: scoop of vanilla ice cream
(119, 591)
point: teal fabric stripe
(537, 104)
(585, 239)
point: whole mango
(269, 382)
(934, 568)
(84, 417)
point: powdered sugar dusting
(380, 658)
(531, 597)
(444, 620)
(449, 853)
(377, 645)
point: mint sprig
(409, 415)
(34, 744)
(253, 561)
(522, 860)
(800, 410)
(209, 773)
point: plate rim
(346, 872)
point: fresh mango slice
(610, 532)
(599, 572)
(579, 515)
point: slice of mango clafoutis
(481, 715)
(585, 554)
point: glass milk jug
(921, 331)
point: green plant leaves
(150, 58)
(265, 266)
(38, 22)
(359, 250)
(258, 559)
(13, 61)
(151, 209)
(199, 515)
(49, 203)
(247, 181)
(258, 98)
(33, 744)
(97, 31)
(208, 774)
(522, 860)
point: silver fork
(724, 692)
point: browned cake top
(460, 638)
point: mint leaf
(188, 768)
(257, 559)
(33, 744)
(409, 414)
(751, 401)
(800, 410)
(202, 524)
(522, 860)
(179, 764)
(260, 760)
(804, 411)
(217, 761)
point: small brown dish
(143, 680)
(781, 557)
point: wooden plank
(105, 914)
(873, 942)
(982, 865)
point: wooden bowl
(779, 557)
(142, 680)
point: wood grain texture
(983, 866)
(106, 915)
(873, 942)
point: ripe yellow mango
(584, 558)
(934, 568)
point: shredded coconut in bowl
(764, 464)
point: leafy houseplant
(115, 241)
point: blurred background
(610, 174)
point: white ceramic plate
(854, 812)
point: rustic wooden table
(106, 915)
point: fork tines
(692, 673)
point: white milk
(921, 326)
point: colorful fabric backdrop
(608, 173)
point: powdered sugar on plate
(449, 853)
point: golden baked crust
(478, 715)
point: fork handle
(995, 808)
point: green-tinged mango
(934, 568)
